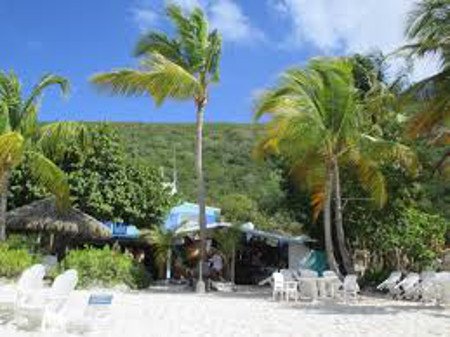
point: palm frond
(160, 77)
(11, 150)
(157, 42)
(45, 82)
(51, 177)
(54, 138)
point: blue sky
(77, 38)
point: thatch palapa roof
(42, 215)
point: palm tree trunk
(233, 266)
(340, 234)
(327, 226)
(4, 184)
(201, 191)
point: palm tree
(429, 30)
(228, 240)
(22, 138)
(180, 68)
(317, 124)
(162, 241)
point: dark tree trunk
(201, 190)
(233, 266)
(340, 234)
(4, 184)
(327, 226)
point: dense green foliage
(104, 182)
(106, 267)
(13, 260)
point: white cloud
(336, 26)
(233, 24)
(225, 15)
(144, 17)
(185, 4)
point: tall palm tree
(22, 138)
(318, 123)
(428, 30)
(181, 68)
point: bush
(106, 267)
(13, 261)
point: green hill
(229, 165)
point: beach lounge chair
(56, 299)
(47, 303)
(390, 283)
(407, 288)
(29, 282)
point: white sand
(160, 314)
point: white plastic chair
(390, 283)
(350, 288)
(278, 285)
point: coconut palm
(22, 138)
(317, 124)
(228, 240)
(429, 30)
(180, 68)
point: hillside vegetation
(229, 164)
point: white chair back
(329, 273)
(351, 283)
(308, 273)
(391, 281)
(64, 283)
(31, 278)
(278, 281)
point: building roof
(42, 215)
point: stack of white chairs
(442, 280)
(332, 283)
(391, 282)
(308, 284)
(350, 288)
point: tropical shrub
(106, 267)
(104, 182)
(13, 260)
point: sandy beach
(162, 314)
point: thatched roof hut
(42, 215)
